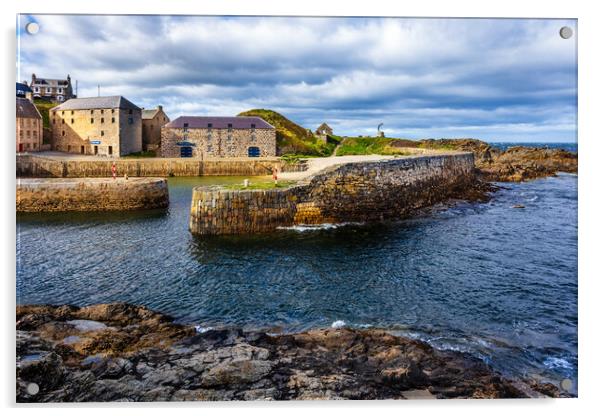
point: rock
(46, 370)
(516, 164)
(236, 372)
(140, 356)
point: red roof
(219, 122)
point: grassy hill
(292, 138)
(374, 146)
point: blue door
(254, 151)
(185, 151)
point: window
(36, 89)
(28, 134)
(62, 121)
(91, 121)
(72, 112)
(63, 133)
(209, 126)
(112, 110)
(63, 112)
(112, 119)
(35, 145)
(91, 111)
(130, 120)
(102, 120)
(60, 90)
(252, 126)
(35, 134)
(21, 133)
(130, 112)
(209, 148)
(229, 127)
(110, 150)
(102, 111)
(102, 132)
(48, 90)
(68, 148)
(72, 121)
(28, 145)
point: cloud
(497, 79)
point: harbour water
(494, 281)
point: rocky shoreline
(122, 352)
(515, 164)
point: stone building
(215, 137)
(57, 90)
(323, 131)
(152, 121)
(29, 126)
(108, 126)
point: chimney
(160, 107)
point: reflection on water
(497, 282)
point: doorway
(186, 151)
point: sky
(499, 80)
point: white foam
(338, 324)
(318, 227)
(556, 362)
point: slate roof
(91, 103)
(149, 114)
(26, 109)
(219, 122)
(22, 88)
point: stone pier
(91, 194)
(354, 192)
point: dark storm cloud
(494, 79)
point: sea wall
(32, 166)
(61, 195)
(354, 192)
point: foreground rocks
(121, 352)
(516, 164)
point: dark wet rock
(139, 355)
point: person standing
(114, 170)
(275, 175)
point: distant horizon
(497, 80)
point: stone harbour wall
(29, 166)
(354, 192)
(62, 195)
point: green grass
(374, 146)
(44, 109)
(141, 155)
(260, 185)
(292, 138)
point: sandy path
(317, 164)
